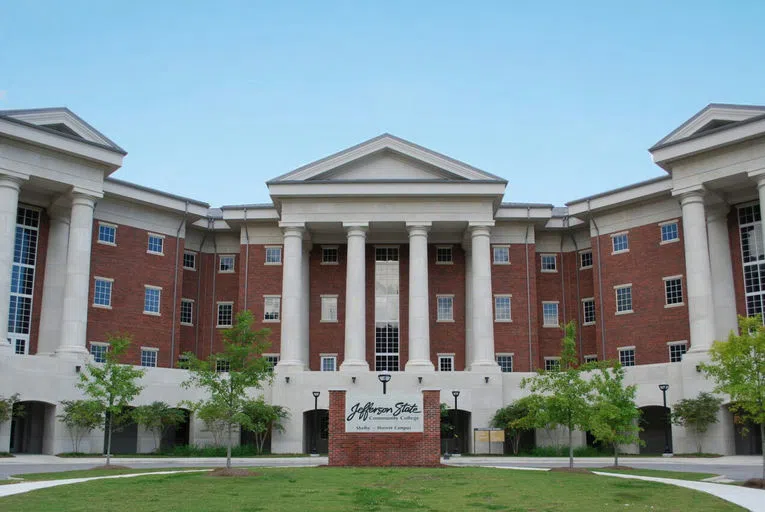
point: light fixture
(315, 435)
(667, 427)
(77, 369)
(353, 379)
(384, 378)
(419, 379)
(486, 380)
(287, 380)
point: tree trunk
(109, 441)
(698, 442)
(616, 454)
(228, 448)
(570, 447)
(762, 439)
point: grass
(5, 454)
(87, 473)
(677, 475)
(368, 489)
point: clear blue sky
(210, 99)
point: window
(444, 255)
(386, 254)
(22, 279)
(627, 356)
(588, 311)
(505, 362)
(20, 347)
(669, 232)
(620, 243)
(273, 255)
(673, 291)
(445, 310)
(501, 254)
(156, 244)
(585, 259)
(189, 260)
(225, 314)
(623, 298)
(676, 350)
(753, 257)
(592, 358)
(549, 263)
(272, 360)
(330, 255)
(329, 308)
(222, 366)
(329, 363)
(187, 312)
(226, 264)
(271, 306)
(386, 276)
(386, 347)
(98, 351)
(502, 308)
(102, 293)
(151, 299)
(550, 314)
(107, 234)
(149, 357)
(445, 362)
(552, 364)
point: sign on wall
(394, 413)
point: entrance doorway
(124, 434)
(455, 431)
(177, 435)
(31, 427)
(316, 430)
(654, 423)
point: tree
(517, 418)
(563, 396)
(81, 417)
(112, 384)
(614, 413)
(157, 417)
(8, 406)
(738, 368)
(697, 413)
(245, 369)
(213, 418)
(262, 419)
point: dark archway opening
(29, 427)
(124, 434)
(526, 442)
(316, 430)
(455, 431)
(747, 436)
(176, 435)
(654, 421)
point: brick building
(385, 257)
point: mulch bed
(572, 470)
(755, 483)
(237, 472)
(619, 468)
(112, 466)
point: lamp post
(384, 378)
(315, 421)
(667, 433)
(455, 394)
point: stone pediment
(712, 117)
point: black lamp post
(384, 378)
(667, 433)
(315, 421)
(455, 394)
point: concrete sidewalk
(733, 460)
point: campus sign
(394, 413)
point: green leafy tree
(262, 419)
(245, 369)
(8, 406)
(697, 414)
(81, 417)
(213, 418)
(738, 368)
(112, 384)
(563, 396)
(517, 418)
(157, 417)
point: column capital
(12, 181)
(418, 228)
(693, 194)
(758, 176)
(480, 228)
(717, 212)
(356, 228)
(83, 199)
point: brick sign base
(385, 449)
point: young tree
(738, 368)
(245, 369)
(81, 417)
(157, 417)
(262, 419)
(8, 406)
(697, 413)
(517, 418)
(212, 416)
(112, 384)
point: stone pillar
(306, 302)
(355, 299)
(419, 312)
(54, 284)
(74, 319)
(723, 291)
(292, 301)
(483, 312)
(9, 204)
(468, 305)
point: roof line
(155, 191)
(620, 189)
(383, 180)
(662, 144)
(524, 205)
(254, 206)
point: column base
(419, 365)
(290, 366)
(73, 353)
(351, 365)
(485, 366)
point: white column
(305, 296)
(355, 300)
(759, 177)
(723, 291)
(74, 318)
(468, 305)
(701, 312)
(483, 315)
(292, 302)
(54, 284)
(419, 312)
(9, 203)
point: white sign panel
(393, 413)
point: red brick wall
(550, 287)
(190, 286)
(327, 337)
(734, 236)
(262, 280)
(585, 333)
(409, 449)
(37, 292)
(447, 337)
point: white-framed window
(501, 254)
(149, 356)
(673, 291)
(550, 314)
(189, 260)
(503, 308)
(98, 351)
(107, 233)
(549, 262)
(445, 308)
(102, 292)
(552, 364)
(620, 243)
(152, 296)
(273, 255)
(585, 259)
(156, 244)
(225, 314)
(187, 311)
(330, 255)
(505, 362)
(22, 279)
(588, 311)
(623, 298)
(591, 358)
(676, 350)
(627, 356)
(445, 362)
(329, 362)
(272, 360)
(752, 256)
(444, 255)
(329, 308)
(222, 366)
(271, 308)
(386, 275)
(669, 232)
(226, 263)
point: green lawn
(367, 489)
(678, 475)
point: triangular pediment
(712, 117)
(386, 165)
